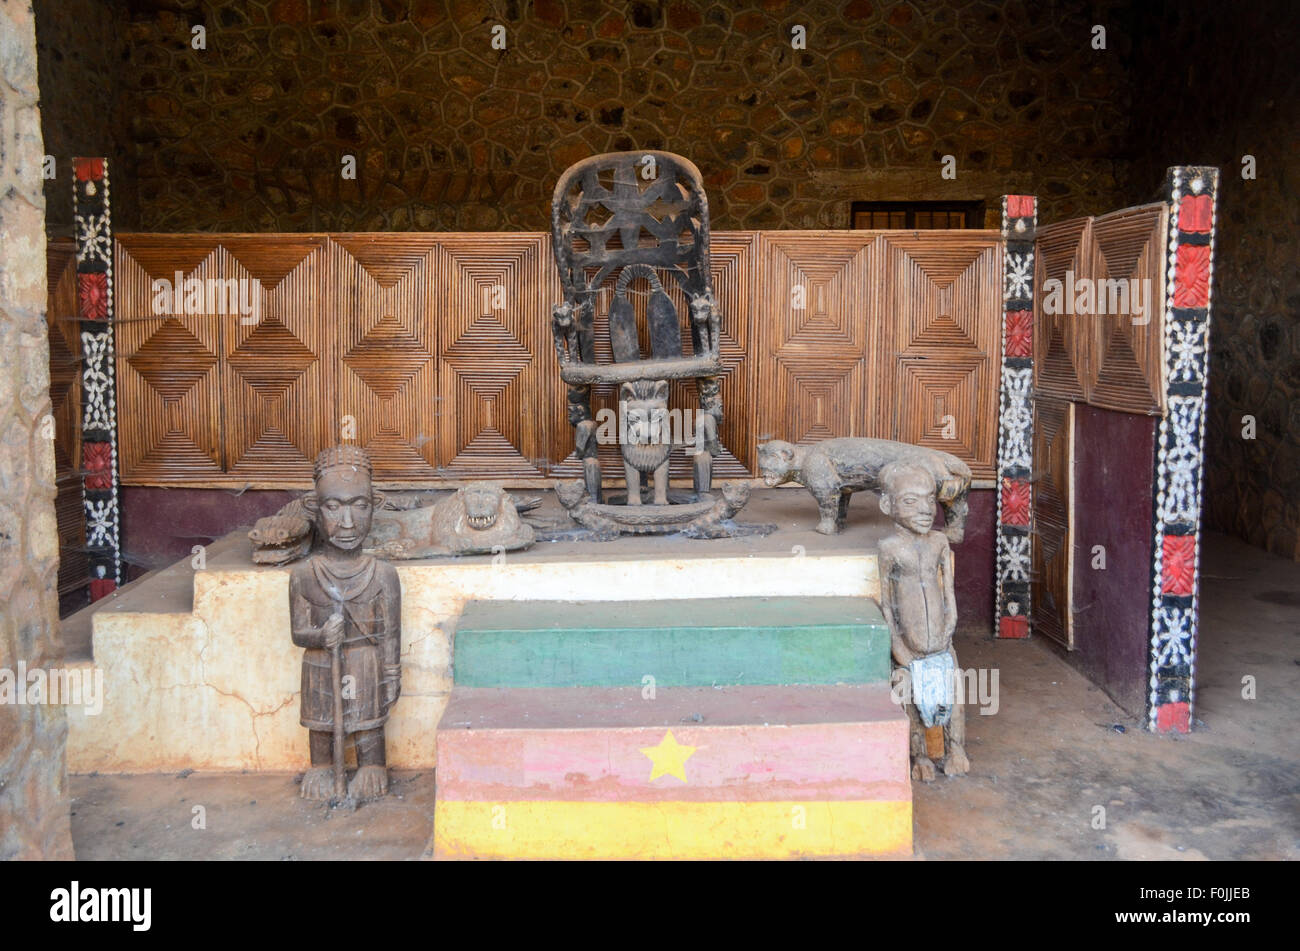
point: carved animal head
(481, 517)
(778, 462)
(279, 529)
(280, 539)
(736, 494)
(570, 493)
(645, 408)
(482, 502)
(701, 309)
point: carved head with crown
(343, 501)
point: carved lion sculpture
(646, 445)
(832, 470)
(480, 518)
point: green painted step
(681, 643)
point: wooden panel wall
(1126, 370)
(1111, 360)
(169, 379)
(1052, 552)
(944, 336)
(437, 349)
(1063, 250)
(819, 326)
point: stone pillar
(34, 820)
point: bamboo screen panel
(434, 351)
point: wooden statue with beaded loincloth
(919, 602)
(342, 597)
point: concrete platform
(211, 681)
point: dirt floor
(1056, 749)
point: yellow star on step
(669, 757)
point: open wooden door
(1052, 578)
(1120, 311)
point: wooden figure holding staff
(346, 608)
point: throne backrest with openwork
(626, 216)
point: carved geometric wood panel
(1125, 368)
(168, 364)
(817, 324)
(387, 315)
(941, 290)
(731, 265)
(1052, 546)
(1062, 251)
(816, 399)
(938, 403)
(278, 388)
(499, 376)
(446, 377)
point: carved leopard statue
(479, 518)
(832, 470)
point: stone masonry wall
(1233, 91)
(78, 53)
(34, 819)
(249, 133)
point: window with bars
(918, 215)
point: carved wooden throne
(617, 219)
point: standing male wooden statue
(346, 609)
(920, 608)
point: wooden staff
(336, 672)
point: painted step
(680, 643)
(611, 773)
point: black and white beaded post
(1192, 193)
(1016, 418)
(94, 234)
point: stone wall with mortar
(78, 53)
(34, 818)
(1234, 90)
(448, 133)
